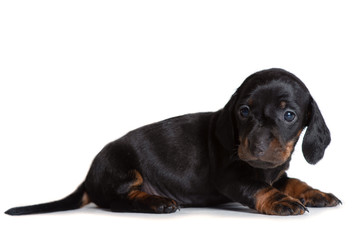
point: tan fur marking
(309, 196)
(299, 133)
(243, 150)
(262, 199)
(136, 194)
(138, 179)
(289, 147)
(282, 104)
(273, 202)
(276, 153)
(295, 188)
(134, 188)
(85, 200)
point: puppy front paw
(316, 198)
(272, 202)
(308, 196)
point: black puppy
(237, 154)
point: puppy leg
(139, 201)
(307, 195)
(260, 196)
(271, 201)
(143, 202)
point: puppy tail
(76, 200)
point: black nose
(259, 145)
(259, 141)
(259, 148)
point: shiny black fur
(193, 159)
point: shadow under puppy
(237, 154)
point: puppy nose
(259, 153)
(259, 149)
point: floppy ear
(317, 136)
(225, 125)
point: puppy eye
(245, 111)
(289, 116)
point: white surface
(75, 75)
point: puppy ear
(225, 125)
(317, 136)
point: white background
(75, 75)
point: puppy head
(263, 120)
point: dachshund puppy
(237, 154)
